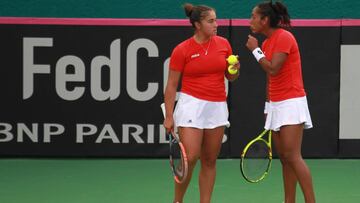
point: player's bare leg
(210, 150)
(192, 140)
(289, 176)
(291, 139)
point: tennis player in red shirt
(201, 113)
(287, 110)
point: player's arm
(169, 97)
(271, 67)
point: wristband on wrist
(258, 54)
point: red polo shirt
(202, 75)
(288, 82)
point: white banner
(349, 92)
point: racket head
(256, 158)
(178, 159)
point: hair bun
(188, 9)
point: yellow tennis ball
(232, 70)
(232, 59)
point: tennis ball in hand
(232, 59)
(232, 70)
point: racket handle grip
(162, 106)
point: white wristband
(258, 54)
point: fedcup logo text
(31, 71)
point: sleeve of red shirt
(284, 43)
(229, 48)
(177, 59)
(224, 42)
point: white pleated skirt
(201, 114)
(288, 112)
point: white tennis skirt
(198, 113)
(288, 112)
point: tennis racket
(177, 155)
(256, 158)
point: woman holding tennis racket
(287, 110)
(201, 112)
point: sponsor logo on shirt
(195, 55)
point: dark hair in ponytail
(196, 13)
(277, 13)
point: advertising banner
(93, 87)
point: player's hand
(169, 124)
(252, 43)
(236, 66)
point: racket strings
(176, 159)
(256, 161)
